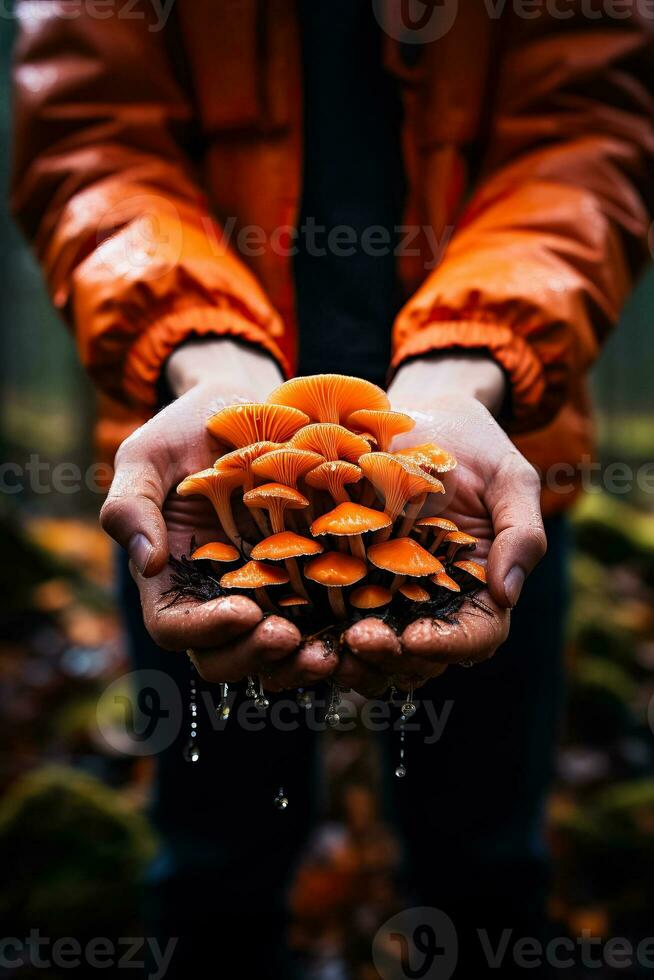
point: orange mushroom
(331, 441)
(286, 465)
(248, 422)
(399, 482)
(414, 592)
(404, 556)
(329, 397)
(242, 459)
(370, 597)
(335, 570)
(441, 527)
(276, 499)
(293, 601)
(216, 551)
(430, 458)
(472, 568)
(286, 546)
(459, 539)
(257, 576)
(384, 426)
(351, 520)
(445, 582)
(332, 476)
(218, 488)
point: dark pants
(470, 810)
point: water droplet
(261, 701)
(280, 801)
(400, 772)
(303, 699)
(408, 709)
(192, 752)
(332, 718)
(223, 711)
(467, 663)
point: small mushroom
(242, 459)
(286, 465)
(384, 426)
(218, 488)
(351, 521)
(403, 556)
(399, 482)
(414, 592)
(445, 582)
(331, 441)
(286, 546)
(216, 551)
(335, 570)
(430, 458)
(441, 527)
(276, 499)
(329, 397)
(370, 597)
(248, 422)
(333, 476)
(293, 602)
(459, 539)
(257, 576)
(472, 568)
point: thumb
(513, 500)
(132, 516)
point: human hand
(493, 494)
(228, 637)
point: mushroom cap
(350, 518)
(397, 480)
(254, 575)
(384, 426)
(441, 523)
(242, 459)
(209, 483)
(240, 425)
(264, 495)
(335, 569)
(286, 465)
(293, 600)
(370, 597)
(333, 473)
(331, 441)
(445, 582)
(403, 556)
(329, 397)
(461, 538)
(472, 568)
(216, 551)
(285, 544)
(429, 457)
(414, 592)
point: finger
(475, 636)
(355, 673)
(131, 514)
(271, 640)
(312, 663)
(379, 646)
(513, 500)
(195, 624)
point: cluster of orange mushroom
(335, 512)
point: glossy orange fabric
(142, 152)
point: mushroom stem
(357, 546)
(397, 582)
(264, 600)
(336, 601)
(368, 495)
(294, 577)
(222, 505)
(412, 511)
(438, 539)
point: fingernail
(513, 584)
(140, 551)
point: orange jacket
(142, 151)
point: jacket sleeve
(546, 249)
(103, 188)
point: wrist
(223, 364)
(472, 374)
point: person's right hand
(229, 637)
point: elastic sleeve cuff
(149, 352)
(534, 397)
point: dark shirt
(346, 286)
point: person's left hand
(493, 494)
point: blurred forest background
(60, 645)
